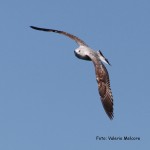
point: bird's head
(80, 53)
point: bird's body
(86, 53)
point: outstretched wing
(104, 89)
(78, 41)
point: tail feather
(102, 58)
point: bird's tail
(102, 58)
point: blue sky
(49, 98)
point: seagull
(84, 52)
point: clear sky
(49, 98)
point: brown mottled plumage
(104, 89)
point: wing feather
(104, 89)
(75, 38)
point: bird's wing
(104, 89)
(79, 41)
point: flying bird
(86, 53)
